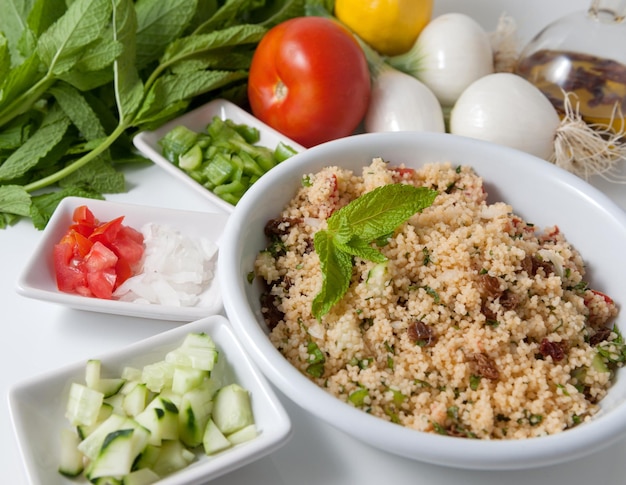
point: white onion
(175, 270)
(399, 102)
(506, 109)
(451, 52)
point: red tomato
(107, 233)
(309, 80)
(83, 215)
(93, 259)
(128, 245)
(69, 276)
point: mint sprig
(351, 231)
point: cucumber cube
(83, 405)
(232, 409)
(214, 440)
(161, 418)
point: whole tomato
(309, 80)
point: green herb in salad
(351, 231)
(225, 158)
(79, 79)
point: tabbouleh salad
(476, 324)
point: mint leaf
(97, 176)
(63, 44)
(336, 269)
(5, 56)
(51, 132)
(197, 44)
(158, 24)
(351, 231)
(78, 110)
(14, 200)
(128, 86)
(379, 212)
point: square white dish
(37, 407)
(147, 142)
(38, 279)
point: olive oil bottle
(583, 53)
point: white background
(36, 336)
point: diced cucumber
(143, 476)
(194, 412)
(378, 278)
(187, 378)
(92, 373)
(161, 418)
(148, 457)
(71, 462)
(119, 451)
(94, 380)
(214, 440)
(131, 373)
(121, 440)
(173, 457)
(105, 411)
(246, 433)
(197, 351)
(135, 401)
(106, 481)
(110, 386)
(90, 446)
(158, 375)
(83, 405)
(599, 364)
(232, 409)
(116, 401)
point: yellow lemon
(389, 26)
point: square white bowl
(147, 142)
(37, 407)
(38, 279)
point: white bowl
(537, 190)
(38, 279)
(147, 142)
(37, 407)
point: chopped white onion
(175, 271)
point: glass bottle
(583, 53)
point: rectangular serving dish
(38, 278)
(37, 407)
(147, 142)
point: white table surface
(37, 336)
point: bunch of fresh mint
(352, 230)
(78, 81)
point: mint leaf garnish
(351, 231)
(336, 266)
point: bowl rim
(602, 431)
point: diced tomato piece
(99, 258)
(607, 299)
(82, 215)
(82, 245)
(127, 246)
(107, 232)
(92, 259)
(101, 283)
(123, 270)
(82, 228)
(132, 233)
(68, 276)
